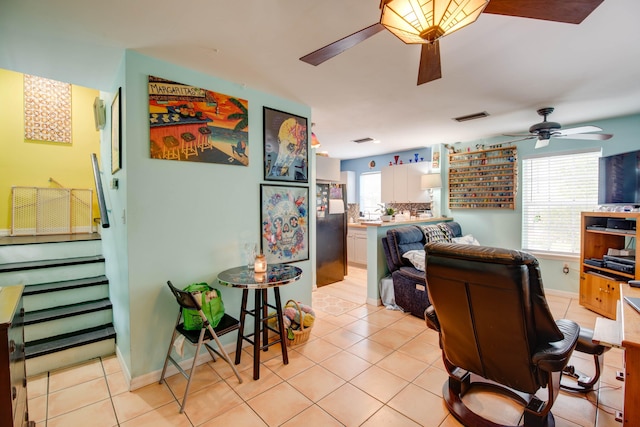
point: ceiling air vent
(471, 117)
(362, 140)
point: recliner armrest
(554, 356)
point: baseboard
(123, 366)
(154, 376)
(374, 301)
(559, 293)
(4, 232)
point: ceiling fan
(426, 21)
(546, 130)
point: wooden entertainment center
(599, 285)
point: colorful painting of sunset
(188, 123)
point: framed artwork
(285, 146)
(284, 227)
(188, 123)
(116, 143)
(47, 110)
(435, 157)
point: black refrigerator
(331, 233)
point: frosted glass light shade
(425, 21)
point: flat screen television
(619, 179)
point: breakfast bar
(376, 262)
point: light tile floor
(366, 367)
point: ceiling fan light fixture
(541, 143)
(425, 21)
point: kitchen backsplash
(353, 211)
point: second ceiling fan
(426, 21)
(545, 130)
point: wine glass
(250, 251)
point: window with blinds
(370, 194)
(555, 189)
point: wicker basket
(299, 335)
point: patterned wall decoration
(47, 110)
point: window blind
(555, 190)
(370, 193)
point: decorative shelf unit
(484, 179)
(599, 285)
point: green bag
(212, 306)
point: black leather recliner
(495, 328)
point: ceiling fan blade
(581, 129)
(517, 140)
(429, 69)
(329, 51)
(589, 136)
(519, 134)
(541, 143)
(567, 11)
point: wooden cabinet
(13, 379)
(483, 179)
(600, 285)
(357, 246)
(599, 293)
(401, 183)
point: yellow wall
(31, 164)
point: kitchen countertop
(365, 224)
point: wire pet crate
(39, 211)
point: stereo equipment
(617, 266)
(624, 264)
(594, 262)
(620, 224)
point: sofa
(404, 251)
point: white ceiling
(506, 66)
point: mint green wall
(503, 228)
(114, 239)
(178, 221)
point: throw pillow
(416, 257)
(436, 233)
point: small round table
(245, 278)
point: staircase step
(34, 317)
(37, 272)
(49, 263)
(66, 341)
(66, 292)
(65, 285)
(32, 248)
(68, 315)
(69, 357)
(66, 319)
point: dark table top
(244, 277)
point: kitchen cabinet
(357, 246)
(401, 183)
(599, 285)
(327, 169)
